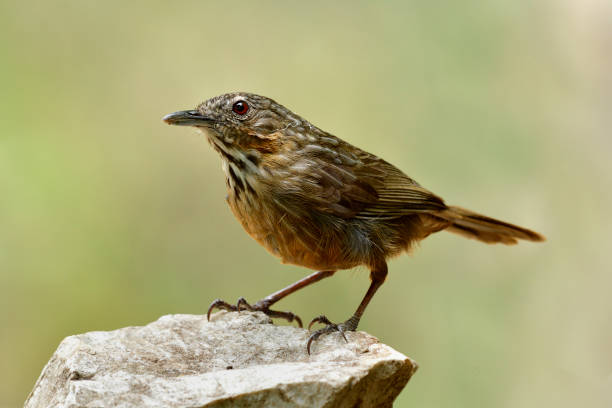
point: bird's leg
(264, 304)
(377, 277)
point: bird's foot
(349, 325)
(261, 306)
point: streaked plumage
(316, 201)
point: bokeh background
(110, 218)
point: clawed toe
(349, 325)
(260, 306)
(329, 328)
(320, 319)
(220, 304)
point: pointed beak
(187, 118)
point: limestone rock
(236, 359)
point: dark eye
(240, 107)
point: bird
(316, 201)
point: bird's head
(240, 121)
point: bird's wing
(398, 194)
(366, 188)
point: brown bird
(314, 200)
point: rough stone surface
(236, 359)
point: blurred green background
(111, 218)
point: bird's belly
(295, 241)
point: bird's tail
(485, 229)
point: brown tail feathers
(489, 230)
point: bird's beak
(187, 118)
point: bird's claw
(349, 325)
(261, 306)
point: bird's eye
(240, 107)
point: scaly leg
(377, 276)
